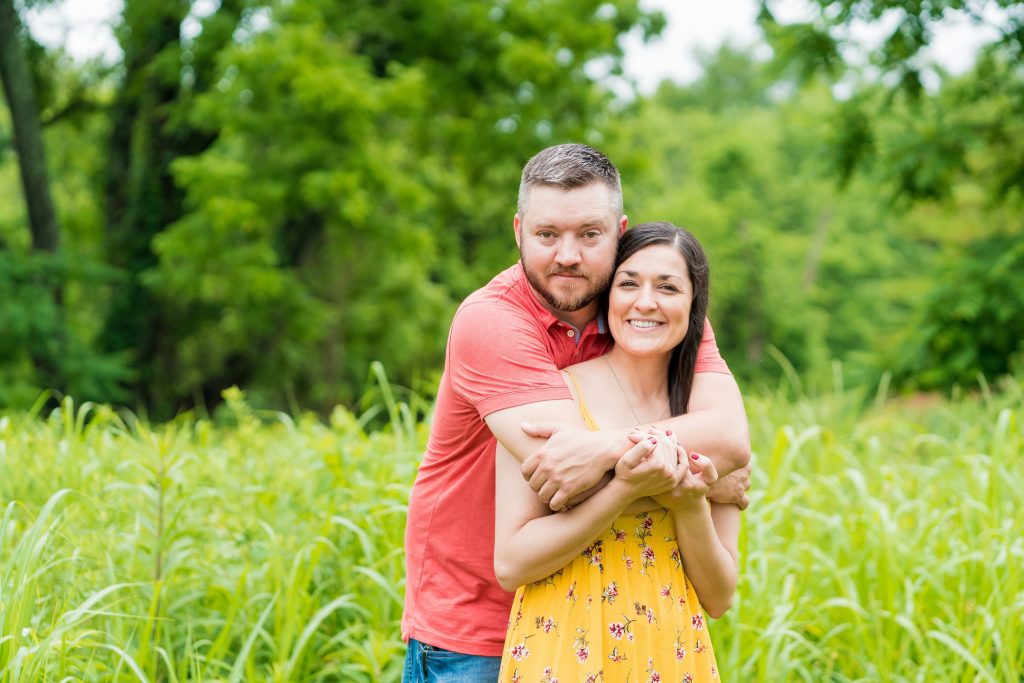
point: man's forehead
(581, 205)
(593, 189)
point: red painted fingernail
(694, 456)
(668, 432)
(652, 439)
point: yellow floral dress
(622, 611)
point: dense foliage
(882, 543)
(274, 194)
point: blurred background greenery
(291, 189)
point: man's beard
(571, 303)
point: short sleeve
(708, 357)
(498, 358)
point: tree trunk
(28, 136)
(19, 90)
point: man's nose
(568, 253)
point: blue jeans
(428, 664)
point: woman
(615, 589)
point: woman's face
(649, 301)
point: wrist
(615, 447)
(621, 490)
(692, 512)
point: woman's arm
(707, 536)
(531, 543)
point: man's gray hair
(568, 167)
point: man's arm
(594, 453)
(716, 426)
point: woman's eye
(627, 283)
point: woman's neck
(643, 380)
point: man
(507, 343)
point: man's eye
(591, 234)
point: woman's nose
(645, 301)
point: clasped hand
(565, 470)
(677, 480)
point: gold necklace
(626, 396)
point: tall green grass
(259, 549)
(884, 542)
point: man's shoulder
(499, 298)
(500, 318)
(502, 286)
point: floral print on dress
(643, 529)
(581, 646)
(545, 625)
(595, 553)
(652, 675)
(519, 652)
(549, 677)
(645, 611)
(680, 647)
(646, 558)
(621, 611)
(621, 629)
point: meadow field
(884, 542)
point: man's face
(567, 241)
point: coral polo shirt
(504, 350)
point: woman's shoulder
(583, 378)
(585, 371)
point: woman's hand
(651, 467)
(691, 492)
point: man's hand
(566, 466)
(732, 489)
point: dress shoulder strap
(588, 419)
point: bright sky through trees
(83, 26)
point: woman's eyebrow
(667, 276)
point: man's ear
(517, 227)
(623, 223)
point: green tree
(162, 72)
(747, 159)
(951, 157)
(362, 180)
